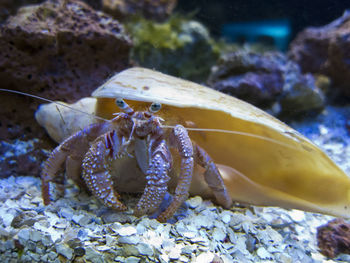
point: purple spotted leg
(180, 139)
(156, 175)
(212, 177)
(96, 169)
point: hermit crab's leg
(180, 139)
(72, 151)
(212, 176)
(156, 175)
(96, 169)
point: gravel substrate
(77, 228)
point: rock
(126, 231)
(23, 235)
(218, 234)
(132, 260)
(156, 9)
(297, 215)
(226, 217)
(131, 240)
(249, 76)
(194, 202)
(60, 52)
(79, 251)
(110, 240)
(103, 248)
(82, 219)
(17, 155)
(334, 238)
(267, 79)
(204, 257)
(64, 250)
(145, 249)
(25, 219)
(36, 235)
(263, 253)
(67, 213)
(325, 50)
(93, 255)
(174, 253)
(300, 94)
(110, 216)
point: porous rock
(267, 79)
(61, 50)
(9, 7)
(333, 238)
(326, 50)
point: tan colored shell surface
(292, 173)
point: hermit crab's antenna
(56, 102)
(153, 108)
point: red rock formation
(58, 51)
(334, 238)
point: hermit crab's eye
(155, 107)
(120, 103)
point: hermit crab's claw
(70, 152)
(96, 173)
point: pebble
(174, 253)
(79, 251)
(103, 248)
(110, 240)
(297, 215)
(263, 253)
(145, 249)
(194, 202)
(64, 250)
(132, 240)
(132, 260)
(204, 257)
(218, 234)
(23, 235)
(126, 231)
(225, 217)
(93, 255)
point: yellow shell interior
(276, 166)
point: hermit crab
(222, 148)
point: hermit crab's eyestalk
(123, 106)
(155, 107)
(120, 103)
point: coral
(333, 238)
(326, 50)
(179, 47)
